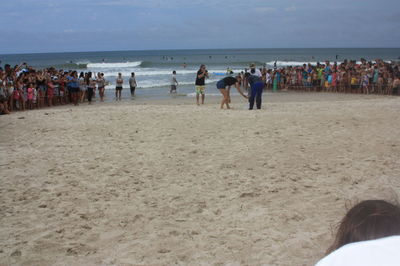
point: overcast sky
(103, 25)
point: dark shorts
(118, 88)
(74, 90)
(221, 84)
(173, 87)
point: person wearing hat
(256, 71)
(256, 86)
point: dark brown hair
(367, 220)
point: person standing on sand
(256, 85)
(118, 87)
(91, 86)
(132, 83)
(202, 74)
(174, 82)
(73, 83)
(82, 87)
(101, 84)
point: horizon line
(189, 49)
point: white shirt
(380, 252)
(173, 80)
(257, 73)
(268, 77)
(132, 82)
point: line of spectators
(23, 87)
(378, 77)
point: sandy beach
(166, 182)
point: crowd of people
(23, 87)
(378, 77)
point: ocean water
(153, 69)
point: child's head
(368, 220)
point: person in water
(174, 82)
(132, 83)
(119, 86)
(224, 86)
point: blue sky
(99, 25)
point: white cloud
(265, 9)
(290, 9)
(151, 4)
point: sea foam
(114, 65)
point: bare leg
(225, 98)
(102, 94)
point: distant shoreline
(189, 49)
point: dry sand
(167, 182)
